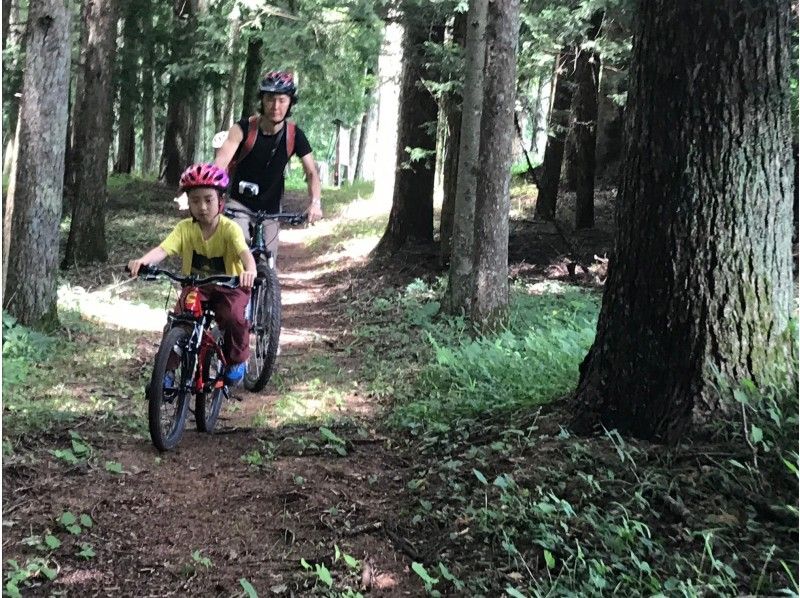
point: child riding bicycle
(210, 243)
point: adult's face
(275, 106)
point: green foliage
(22, 348)
(531, 362)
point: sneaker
(234, 373)
(170, 388)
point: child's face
(204, 204)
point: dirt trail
(251, 521)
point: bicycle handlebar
(260, 216)
(151, 273)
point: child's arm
(151, 258)
(248, 277)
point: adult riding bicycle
(265, 301)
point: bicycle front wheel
(169, 388)
(265, 332)
(209, 402)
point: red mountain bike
(189, 362)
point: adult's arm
(226, 152)
(314, 188)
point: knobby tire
(176, 401)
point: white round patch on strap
(218, 139)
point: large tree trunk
(460, 287)
(128, 91)
(490, 300)
(92, 134)
(183, 106)
(252, 74)
(35, 193)
(411, 217)
(452, 110)
(701, 280)
(557, 131)
(148, 98)
(584, 125)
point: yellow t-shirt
(218, 255)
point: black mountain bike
(190, 361)
(265, 301)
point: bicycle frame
(201, 341)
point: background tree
(34, 197)
(92, 135)
(460, 287)
(584, 123)
(128, 87)
(701, 282)
(490, 300)
(180, 129)
(411, 218)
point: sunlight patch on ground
(105, 308)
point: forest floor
(321, 485)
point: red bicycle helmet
(278, 82)
(204, 175)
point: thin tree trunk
(411, 217)
(128, 91)
(355, 132)
(252, 74)
(148, 97)
(180, 131)
(460, 286)
(557, 130)
(584, 126)
(452, 110)
(700, 285)
(31, 276)
(233, 77)
(367, 128)
(490, 299)
(87, 236)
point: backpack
(250, 141)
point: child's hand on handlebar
(134, 266)
(246, 279)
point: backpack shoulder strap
(290, 131)
(249, 142)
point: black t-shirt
(265, 167)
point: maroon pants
(230, 306)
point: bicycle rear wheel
(169, 386)
(265, 331)
(209, 402)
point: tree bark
(411, 217)
(490, 300)
(355, 133)
(557, 130)
(460, 286)
(180, 130)
(252, 74)
(35, 193)
(128, 91)
(233, 79)
(92, 134)
(584, 125)
(148, 95)
(701, 281)
(452, 110)
(368, 122)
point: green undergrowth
(442, 376)
(526, 509)
(81, 371)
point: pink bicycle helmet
(204, 175)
